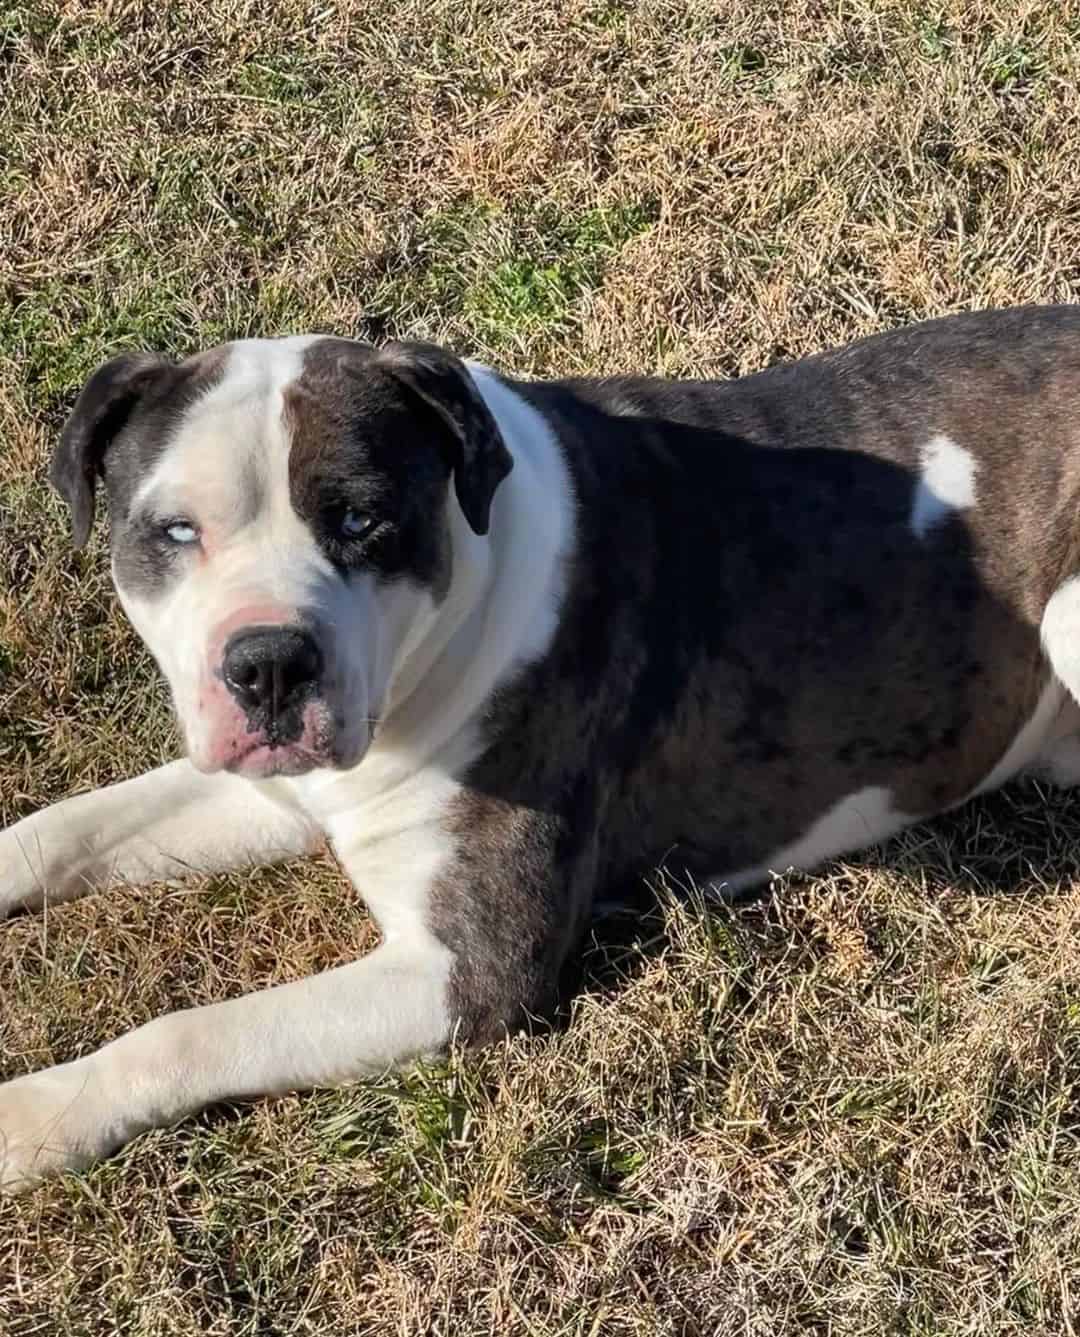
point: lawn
(849, 1106)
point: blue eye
(355, 525)
(182, 531)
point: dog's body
(736, 627)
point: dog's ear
(479, 457)
(100, 412)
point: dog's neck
(500, 610)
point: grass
(849, 1107)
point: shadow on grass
(1019, 841)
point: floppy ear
(102, 409)
(479, 459)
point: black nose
(271, 668)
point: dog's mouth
(262, 743)
(259, 753)
(261, 760)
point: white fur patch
(1046, 746)
(1060, 634)
(863, 818)
(231, 446)
(947, 484)
(1059, 764)
(1030, 743)
(1057, 757)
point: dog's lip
(328, 751)
(268, 745)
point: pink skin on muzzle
(231, 743)
(249, 754)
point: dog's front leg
(322, 1031)
(328, 1029)
(473, 944)
(170, 822)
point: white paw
(51, 1121)
(18, 884)
(26, 870)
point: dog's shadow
(1020, 840)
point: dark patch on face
(119, 424)
(362, 443)
(145, 559)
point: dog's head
(281, 519)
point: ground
(850, 1106)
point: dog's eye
(356, 525)
(181, 531)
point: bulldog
(502, 644)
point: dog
(503, 643)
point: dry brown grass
(849, 1108)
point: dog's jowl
(503, 643)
